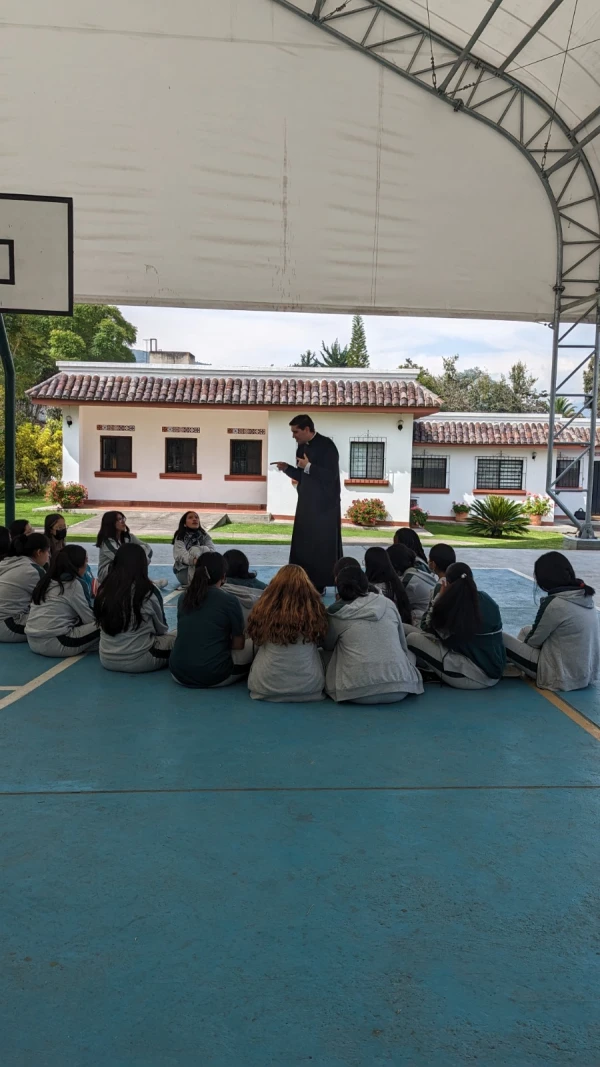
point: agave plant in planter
(496, 516)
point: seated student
(418, 585)
(210, 650)
(463, 643)
(440, 558)
(190, 541)
(61, 619)
(410, 538)
(19, 575)
(370, 662)
(4, 543)
(112, 535)
(288, 624)
(134, 634)
(561, 651)
(55, 529)
(381, 574)
(241, 581)
(19, 529)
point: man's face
(301, 437)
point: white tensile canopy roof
(232, 154)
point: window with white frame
(499, 473)
(367, 459)
(429, 472)
(570, 478)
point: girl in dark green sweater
(461, 640)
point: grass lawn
(26, 502)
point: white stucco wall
(344, 427)
(461, 475)
(71, 445)
(148, 454)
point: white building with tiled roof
(193, 439)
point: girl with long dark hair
(134, 634)
(55, 529)
(462, 637)
(190, 541)
(370, 662)
(61, 618)
(417, 583)
(18, 531)
(410, 539)
(112, 535)
(287, 625)
(561, 651)
(381, 574)
(19, 575)
(210, 649)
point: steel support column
(10, 413)
(473, 87)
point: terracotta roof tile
(438, 432)
(262, 392)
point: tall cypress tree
(357, 350)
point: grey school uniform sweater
(126, 648)
(60, 612)
(18, 578)
(370, 655)
(419, 587)
(109, 549)
(566, 633)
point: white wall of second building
(148, 453)
(71, 444)
(461, 475)
(345, 427)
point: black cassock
(317, 537)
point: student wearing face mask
(55, 529)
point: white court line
(41, 679)
(175, 593)
(8, 688)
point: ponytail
(456, 611)
(64, 567)
(210, 569)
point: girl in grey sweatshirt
(61, 618)
(561, 651)
(370, 662)
(128, 608)
(19, 575)
(190, 541)
(114, 533)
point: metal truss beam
(494, 97)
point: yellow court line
(41, 679)
(567, 709)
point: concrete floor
(194, 879)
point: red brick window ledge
(180, 476)
(499, 492)
(245, 477)
(366, 481)
(114, 474)
(416, 492)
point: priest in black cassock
(317, 537)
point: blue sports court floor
(196, 879)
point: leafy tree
(564, 407)
(475, 389)
(358, 355)
(64, 344)
(111, 342)
(334, 355)
(39, 453)
(308, 359)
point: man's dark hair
(443, 556)
(303, 422)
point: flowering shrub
(367, 512)
(460, 508)
(66, 494)
(418, 517)
(536, 504)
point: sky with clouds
(256, 339)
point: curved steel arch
(495, 98)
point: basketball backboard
(36, 254)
